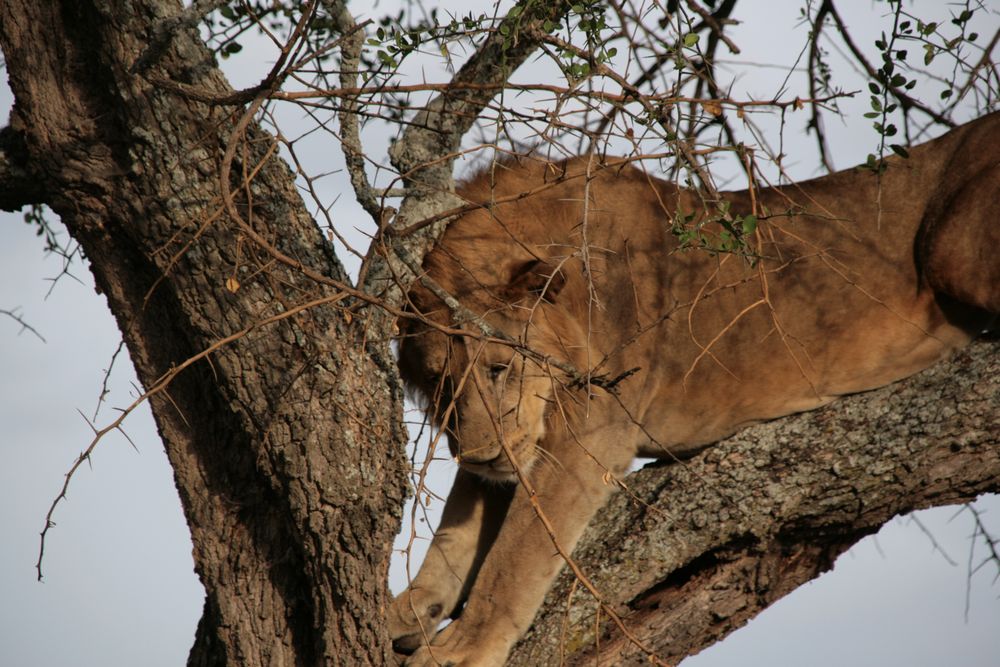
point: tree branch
(693, 551)
(165, 30)
(350, 127)
(425, 154)
(905, 101)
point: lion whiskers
(545, 457)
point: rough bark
(18, 186)
(691, 552)
(286, 444)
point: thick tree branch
(438, 130)
(18, 186)
(691, 552)
(167, 28)
(424, 155)
(350, 126)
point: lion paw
(453, 648)
(413, 619)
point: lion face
(490, 399)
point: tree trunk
(287, 444)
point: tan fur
(855, 288)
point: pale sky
(119, 584)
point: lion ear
(536, 277)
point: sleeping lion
(589, 333)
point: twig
(905, 101)
(14, 315)
(159, 386)
(107, 377)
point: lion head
(489, 387)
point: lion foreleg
(472, 515)
(525, 560)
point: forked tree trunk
(287, 444)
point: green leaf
(749, 224)
(691, 39)
(899, 150)
(386, 59)
(930, 53)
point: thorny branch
(17, 317)
(905, 100)
(992, 546)
(424, 154)
(159, 386)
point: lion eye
(494, 371)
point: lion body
(855, 282)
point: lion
(589, 335)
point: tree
(268, 368)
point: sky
(119, 586)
